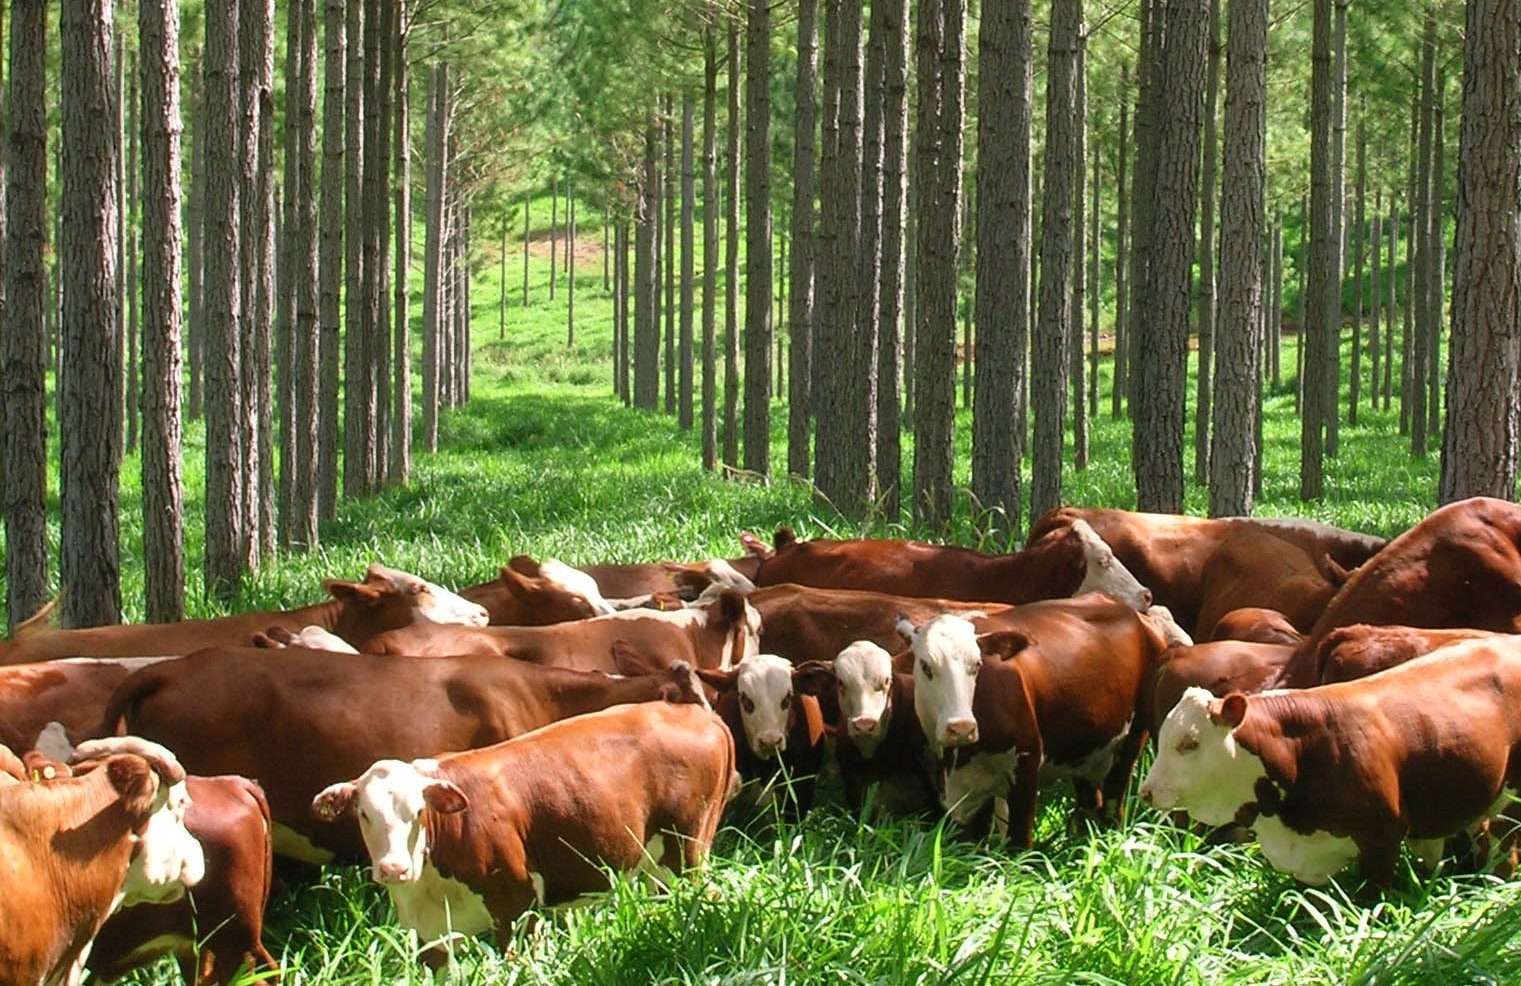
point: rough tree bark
(301, 528)
(1075, 367)
(800, 314)
(1122, 262)
(688, 264)
(331, 258)
(646, 329)
(358, 384)
(890, 320)
(1354, 381)
(709, 246)
(401, 401)
(1208, 188)
(758, 240)
(1331, 408)
(1321, 287)
(1425, 242)
(256, 255)
(731, 256)
(436, 144)
(1437, 258)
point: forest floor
(544, 461)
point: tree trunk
(358, 391)
(378, 202)
(1232, 461)
(646, 329)
(666, 263)
(607, 282)
(1354, 383)
(1208, 188)
(1412, 242)
(890, 321)
(287, 236)
(1438, 260)
(256, 253)
(1049, 361)
(401, 400)
(195, 222)
(1376, 297)
(1331, 408)
(758, 240)
(1095, 272)
(622, 276)
(1425, 242)
(1320, 303)
(859, 361)
(709, 247)
(554, 231)
(1390, 307)
(130, 245)
(1301, 262)
(941, 72)
(302, 274)
(688, 264)
(434, 324)
(1122, 261)
(225, 564)
(570, 263)
(1484, 362)
(23, 343)
(1162, 326)
(1142, 191)
(332, 256)
(731, 256)
(1075, 367)
(800, 314)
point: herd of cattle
(504, 746)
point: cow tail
(125, 701)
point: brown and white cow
(467, 842)
(1064, 694)
(75, 847)
(614, 583)
(298, 720)
(519, 598)
(1219, 666)
(1168, 552)
(1068, 562)
(1459, 567)
(805, 623)
(71, 691)
(385, 600)
(715, 635)
(1326, 775)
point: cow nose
(390, 871)
(863, 725)
(1145, 598)
(959, 732)
(1146, 794)
(767, 744)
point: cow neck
(1045, 569)
(1278, 728)
(579, 692)
(91, 849)
(460, 844)
(1299, 671)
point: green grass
(544, 461)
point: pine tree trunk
(1479, 443)
(301, 528)
(358, 395)
(1376, 297)
(401, 401)
(859, 362)
(570, 263)
(1208, 188)
(1354, 383)
(731, 256)
(1320, 302)
(1412, 242)
(1122, 262)
(1390, 307)
(667, 255)
(800, 314)
(1075, 366)
(1142, 191)
(23, 342)
(378, 200)
(1438, 261)
(1301, 262)
(1162, 325)
(709, 247)
(622, 277)
(256, 203)
(131, 246)
(287, 237)
(758, 240)
(890, 320)
(1331, 409)
(554, 231)
(194, 223)
(607, 283)
(224, 515)
(1049, 359)
(1425, 242)
(940, 32)
(331, 258)
(688, 264)
(1232, 462)
(433, 325)
(646, 329)
(1095, 287)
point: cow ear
(631, 661)
(1331, 571)
(721, 680)
(1004, 644)
(754, 546)
(524, 565)
(1229, 711)
(361, 593)
(132, 778)
(444, 798)
(783, 538)
(814, 678)
(731, 606)
(333, 802)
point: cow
(715, 635)
(879, 741)
(312, 638)
(641, 579)
(1254, 625)
(1360, 650)
(1068, 562)
(297, 720)
(1220, 666)
(1064, 693)
(778, 731)
(467, 842)
(1168, 552)
(386, 599)
(1458, 567)
(529, 598)
(71, 691)
(77, 847)
(1260, 569)
(1326, 775)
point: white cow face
(1103, 572)
(575, 581)
(764, 685)
(167, 858)
(389, 799)
(1200, 768)
(946, 663)
(864, 684)
(433, 602)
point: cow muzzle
(1146, 599)
(959, 732)
(770, 744)
(392, 871)
(863, 725)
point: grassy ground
(543, 461)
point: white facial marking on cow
(388, 800)
(53, 743)
(1312, 859)
(726, 575)
(575, 581)
(1199, 767)
(433, 602)
(167, 858)
(1161, 617)
(291, 844)
(1103, 572)
(946, 662)
(864, 678)
(316, 638)
(764, 686)
(971, 785)
(435, 906)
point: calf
(1068, 562)
(68, 845)
(298, 720)
(468, 841)
(713, 636)
(778, 734)
(1340, 772)
(1063, 694)
(386, 599)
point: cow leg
(1377, 858)
(1118, 778)
(1022, 799)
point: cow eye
(746, 703)
(929, 672)
(1188, 745)
(786, 701)
(975, 667)
(886, 684)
